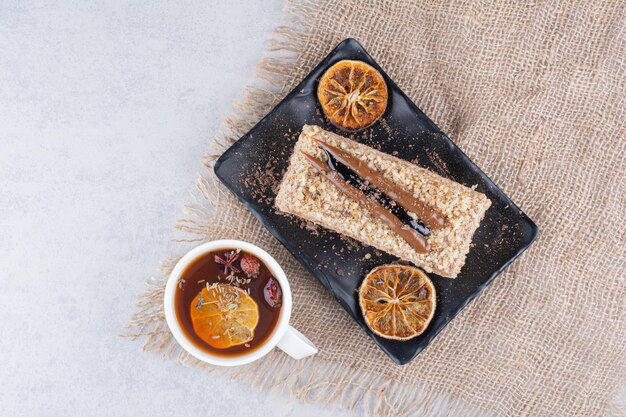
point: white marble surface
(105, 111)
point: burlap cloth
(534, 93)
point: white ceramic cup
(288, 339)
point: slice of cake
(313, 191)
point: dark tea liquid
(205, 270)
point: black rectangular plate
(338, 262)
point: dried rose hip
(249, 264)
(273, 293)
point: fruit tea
(228, 302)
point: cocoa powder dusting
(263, 181)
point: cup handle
(296, 345)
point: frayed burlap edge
(309, 380)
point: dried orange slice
(224, 315)
(353, 94)
(397, 301)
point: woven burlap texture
(534, 93)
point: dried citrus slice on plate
(397, 301)
(224, 315)
(353, 94)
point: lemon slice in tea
(397, 301)
(353, 94)
(224, 315)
